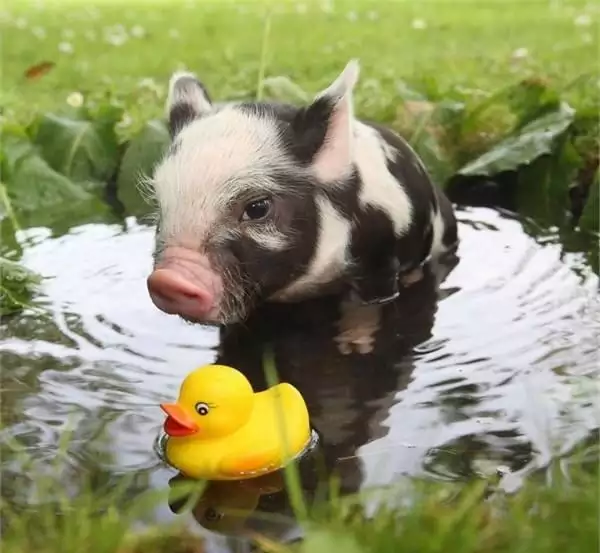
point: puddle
(500, 373)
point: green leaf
(80, 149)
(283, 89)
(40, 196)
(591, 211)
(141, 155)
(535, 139)
(543, 186)
(31, 183)
(17, 286)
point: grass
(447, 47)
(474, 518)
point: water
(499, 374)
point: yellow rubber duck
(219, 429)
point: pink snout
(185, 287)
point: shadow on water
(498, 374)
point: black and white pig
(270, 202)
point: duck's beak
(178, 422)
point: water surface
(504, 377)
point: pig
(263, 202)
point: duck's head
(214, 401)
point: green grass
(466, 47)
(441, 517)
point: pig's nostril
(174, 294)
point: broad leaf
(591, 211)
(141, 156)
(534, 140)
(80, 149)
(543, 186)
(31, 183)
(40, 196)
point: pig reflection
(347, 394)
(261, 202)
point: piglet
(271, 202)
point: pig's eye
(257, 209)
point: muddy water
(504, 376)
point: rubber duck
(220, 429)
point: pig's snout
(186, 288)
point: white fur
(380, 188)
(181, 91)
(268, 237)
(331, 255)
(334, 159)
(437, 247)
(218, 158)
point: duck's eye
(201, 408)
(256, 209)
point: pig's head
(244, 197)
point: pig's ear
(187, 100)
(324, 129)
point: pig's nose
(173, 294)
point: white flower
(65, 47)
(352, 16)
(125, 121)
(373, 15)
(327, 6)
(419, 24)
(38, 32)
(520, 54)
(68, 33)
(138, 31)
(116, 40)
(583, 20)
(75, 99)
(21, 23)
(149, 84)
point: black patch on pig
(373, 250)
(272, 270)
(180, 116)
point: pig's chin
(231, 312)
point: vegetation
(502, 92)
(553, 510)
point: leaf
(141, 155)
(543, 186)
(80, 149)
(38, 70)
(591, 211)
(534, 140)
(30, 182)
(282, 88)
(17, 286)
(38, 195)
